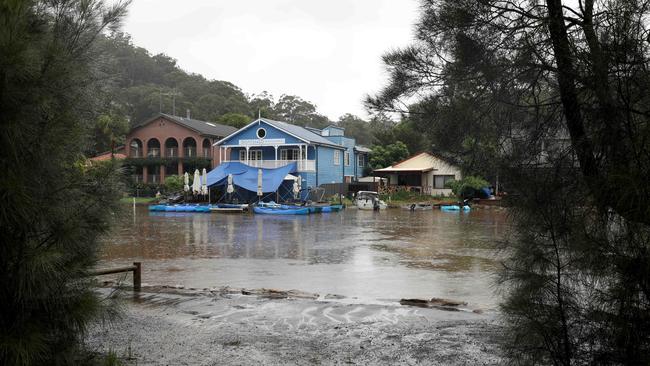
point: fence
(348, 188)
(136, 268)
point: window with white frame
(346, 158)
(360, 161)
(337, 157)
(439, 181)
(252, 155)
(292, 154)
(255, 155)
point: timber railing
(136, 268)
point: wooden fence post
(137, 276)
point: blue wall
(327, 171)
(349, 144)
(250, 133)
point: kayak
(180, 208)
(332, 208)
(281, 211)
(454, 208)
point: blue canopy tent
(245, 177)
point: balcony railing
(135, 153)
(153, 178)
(303, 165)
(206, 152)
(137, 178)
(189, 152)
(171, 152)
(153, 152)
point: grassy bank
(404, 198)
(138, 200)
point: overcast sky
(327, 52)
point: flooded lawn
(371, 256)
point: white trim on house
(337, 157)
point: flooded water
(372, 256)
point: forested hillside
(140, 85)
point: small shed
(423, 172)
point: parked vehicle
(369, 200)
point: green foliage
(357, 128)
(110, 131)
(466, 186)
(55, 206)
(236, 120)
(533, 91)
(383, 156)
(174, 183)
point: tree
(357, 128)
(236, 120)
(110, 130)
(554, 96)
(384, 156)
(295, 110)
(55, 206)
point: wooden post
(137, 276)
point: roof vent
(211, 124)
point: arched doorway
(189, 147)
(171, 148)
(153, 148)
(135, 148)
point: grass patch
(138, 200)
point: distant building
(322, 156)
(423, 172)
(171, 145)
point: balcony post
(247, 157)
(276, 155)
(145, 172)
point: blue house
(321, 156)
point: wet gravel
(173, 327)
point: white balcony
(303, 165)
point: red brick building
(170, 145)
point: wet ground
(163, 327)
(375, 257)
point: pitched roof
(422, 162)
(363, 149)
(300, 132)
(202, 127)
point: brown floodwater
(367, 255)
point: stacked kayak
(228, 207)
(454, 208)
(179, 208)
(288, 210)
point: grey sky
(327, 52)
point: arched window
(206, 148)
(171, 148)
(135, 149)
(153, 148)
(189, 147)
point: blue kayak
(281, 211)
(180, 208)
(332, 208)
(454, 208)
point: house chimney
(188, 113)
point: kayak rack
(136, 268)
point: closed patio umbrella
(196, 184)
(186, 178)
(204, 181)
(230, 188)
(259, 182)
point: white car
(368, 200)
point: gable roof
(422, 162)
(299, 132)
(202, 127)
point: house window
(261, 133)
(252, 155)
(337, 157)
(292, 154)
(255, 155)
(360, 160)
(439, 181)
(346, 158)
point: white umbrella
(186, 187)
(259, 182)
(196, 184)
(204, 180)
(230, 188)
(296, 189)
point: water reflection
(390, 253)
